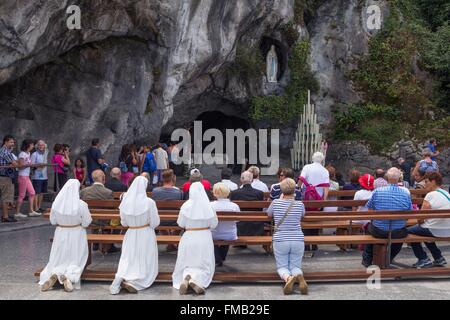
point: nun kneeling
(195, 261)
(69, 252)
(138, 266)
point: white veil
(198, 206)
(67, 202)
(135, 201)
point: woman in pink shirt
(61, 164)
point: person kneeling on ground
(195, 261)
(138, 266)
(69, 252)
(288, 240)
(436, 199)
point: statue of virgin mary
(272, 65)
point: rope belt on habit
(72, 226)
(141, 227)
(197, 229)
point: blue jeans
(288, 257)
(417, 247)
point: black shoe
(219, 264)
(9, 219)
(95, 247)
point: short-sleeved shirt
(39, 173)
(6, 159)
(58, 159)
(206, 184)
(391, 197)
(438, 200)
(161, 159)
(163, 193)
(290, 229)
(26, 157)
(92, 157)
(316, 174)
(432, 149)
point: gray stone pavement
(23, 252)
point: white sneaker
(20, 215)
(34, 214)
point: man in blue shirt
(432, 146)
(391, 197)
(94, 159)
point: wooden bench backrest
(176, 204)
(332, 193)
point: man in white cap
(69, 252)
(138, 265)
(195, 261)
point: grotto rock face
(125, 72)
(141, 68)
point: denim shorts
(40, 186)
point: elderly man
(196, 176)
(97, 191)
(390, 197)
(114, 183)
(248, 193)
(316, 176)
(257, 184)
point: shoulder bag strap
(284, 217)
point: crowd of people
(197, 256)
(29, 170)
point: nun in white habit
(138, 265)
(69, 252)
(195, 261)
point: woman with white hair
(226, 230)
(138, 265)
(69, 252)
(195, 261)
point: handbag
(284, 216)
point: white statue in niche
(272, 65)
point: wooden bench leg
(379, 255)
(89, 259)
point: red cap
(366, 181)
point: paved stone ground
(23, 252)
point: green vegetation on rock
(412, 40)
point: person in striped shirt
(390, 197)
(288, 239)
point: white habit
(69, 252)
(196, 248)
(138, 263)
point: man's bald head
(98, 176)
(115, 173)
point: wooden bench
(379, 258)
(270, 277)
(244, 205)
(332, 193)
